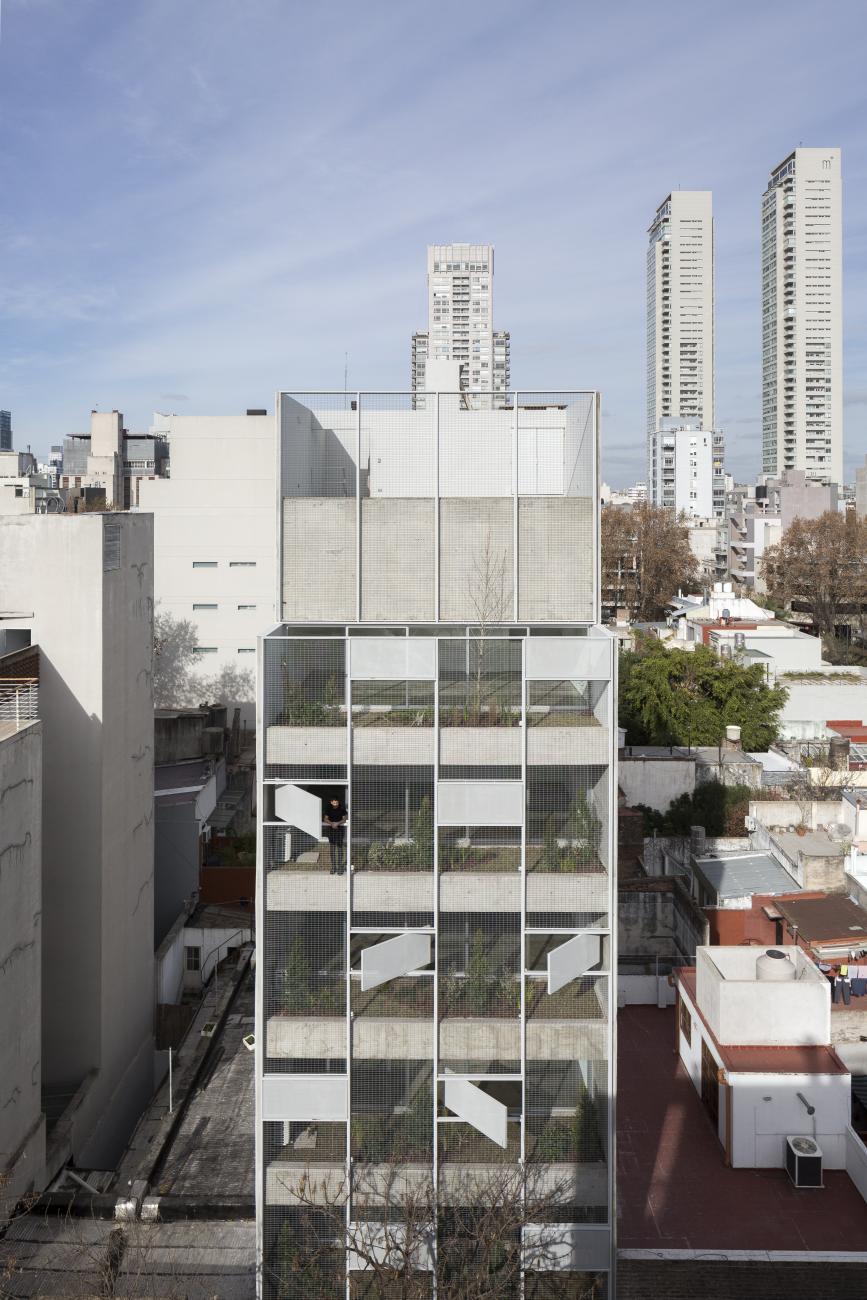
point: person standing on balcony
(335, 818)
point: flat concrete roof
(815, 844)
(735, 875)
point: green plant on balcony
(301, 711)
(586, 1128)
(555, 1143)
(296, 995)
(478, 982)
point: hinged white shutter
(385, 961)
(298, 808)
(572, 959)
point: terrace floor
(675, 1193)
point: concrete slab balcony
(486, 746)
(300, 745)
(322, 1038)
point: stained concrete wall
(22, 1124)
(94, 626)
(476, 558)
(556, 559)
(319, 545)
(397, 560)
(655, 782)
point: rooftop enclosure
(434, 506)
(740, 1008)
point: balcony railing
(19, 700)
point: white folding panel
(299, 808)
(385, 961)
(480, 803)
(561, 658)
(475, 1107)
(305, 1097)
(555, 1246)
(392, 658)
(572, 959)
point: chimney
(732, 739)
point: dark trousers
(336, 836)
(842, 990)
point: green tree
(719, 808)
(296, 979)
(689, 697)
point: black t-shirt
(332, 814)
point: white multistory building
(680, 313)
(802, 316)
(688, 476)
(436, 988)
(215, 539)
(460, 283)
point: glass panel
(392, 704)
(564, 822)
(480, 848)
(564, 704)
(392, 818)
(480, 682)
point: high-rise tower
(802, 316)
(460, 283)
(680, 314)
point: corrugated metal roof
(738, 875)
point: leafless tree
(490, 600)
(399, 1239)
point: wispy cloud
(215, 199)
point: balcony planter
(478, 1038)
(302, 745)
(313, 1036)
(484, 746)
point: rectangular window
(246, 607)
(242, 564)
(111, 545)
(204, 564)
(193, 958)
(206, 649)
(685, 1021)
(204, 606)
(247, 650)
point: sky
(206, 200)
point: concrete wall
(220, 505)
(319, 544)
(556, 559)
(476, 539)
(397, 560)
(766, 1110)
(655, 782)
(740, 1009)
(22, 1124)
(176, 861)
(93, 625)
(811, 704)
(856, 1160)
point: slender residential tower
(802, 316)
(435, 1017)
(680, 315)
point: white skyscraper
(802, 316)
(460, 281)
(680, 314)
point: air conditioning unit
(804, 1161)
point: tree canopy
(689, 697)
(646, 558)
(821, 565)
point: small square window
(193, 958)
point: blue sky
(205, 200)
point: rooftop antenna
(345, 362)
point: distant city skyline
(225, 229)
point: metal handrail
(19, 700)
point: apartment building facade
(802, 316)
(680, 313)
(688, 469)
(434, 1022)
(460, 284)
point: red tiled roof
(746, 1059)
